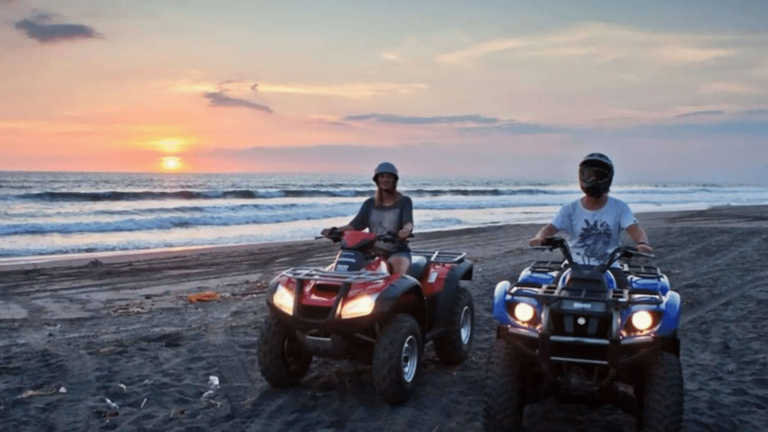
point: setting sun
(171, 163)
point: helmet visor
(593, 174)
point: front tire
(283, 361)
(663, 394)
(396, 359)
(503, 409)
(455, 347)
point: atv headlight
(360, 306)
(524, 312)
(283, 299)
(641, 320)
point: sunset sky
(518, 89)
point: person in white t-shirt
(594, 222)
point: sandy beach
(114, 343)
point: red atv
(357, 309)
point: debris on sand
(129, 310)
(204, 296)
(48, 391)
(213, 383)
(95, 263)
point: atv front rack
(303, 275)
(442, 257)
(619, 298)
(320, 275)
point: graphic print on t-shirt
(594, 241)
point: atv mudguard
(447, 296)
(388, 298)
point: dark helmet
(385, 167)
(596, 174)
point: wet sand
(122, 328)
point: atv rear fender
(403, 295)
(447, 296)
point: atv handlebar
(551, 243)
(388, 237)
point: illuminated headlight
(360, 306)
(524, 312)
(283, 299)
(641, 320)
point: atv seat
(418, 265)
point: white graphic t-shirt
(593, 234)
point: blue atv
(568, 331)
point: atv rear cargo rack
(442, 257)
(320, 275)
(547, 266)
(642, 271)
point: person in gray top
(388, 211)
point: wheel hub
(409, 358)
(466, 325)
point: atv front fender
(404, 285)
(671, 319)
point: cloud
(389, 118)
(391, 56)
(514, 128)
(727, 87)
(482, 49)
(220, 99)
(730, 128)
(469, 124)
(680, 54)
(753, 112)
(38, 28)
(603, 42)
(700, 113)
(350, 90)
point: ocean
(50, 213)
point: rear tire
(283, 361)
(503, 409)
(663, 394)
(454, 347)
(396, 359)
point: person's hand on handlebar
(403, 233)
(644, 248)
(327, 231)
(536, 241)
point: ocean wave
(268, 193)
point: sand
(121, 329)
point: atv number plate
(576, 305)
